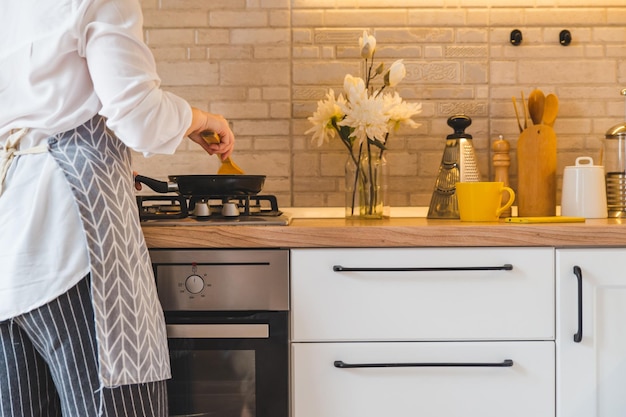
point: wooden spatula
(525, 111)
(519, 124)
(228, 167)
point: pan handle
(156, 185)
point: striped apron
(130, 327)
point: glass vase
(366, 186)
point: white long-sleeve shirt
(61, 62)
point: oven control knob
(194, 284)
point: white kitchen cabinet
(437, 332)
(487, 389)
(591, 370)
(449, 300)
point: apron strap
(9, 151)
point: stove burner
(257, 205)
(246, 209)
(162, 207)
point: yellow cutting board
(536, 172)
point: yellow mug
(482, 201)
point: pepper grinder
(501, 162)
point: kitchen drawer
(524, 389)
(457, 300)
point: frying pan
(206, 185)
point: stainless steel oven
(226, 313)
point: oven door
(233, 366)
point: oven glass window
(220, 383)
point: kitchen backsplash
(264, 64)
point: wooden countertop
(395, 232)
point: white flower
(328, 112)
(400, 112)
(368, 45)
(396, 73)
(366, 117)
(354, 88)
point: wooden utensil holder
(536, 172)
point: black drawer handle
(578, 337)
(505, 267)
(504, 364)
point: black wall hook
(516, 37)
(565, 37)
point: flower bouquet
(362, 117)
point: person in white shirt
(81, 328)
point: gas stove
(237, 210)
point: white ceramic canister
(584, 191)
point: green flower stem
(346, 141)
(380, 155)
(368, 71)
(348, 144)
(357, 175)
(372, 185)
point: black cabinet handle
(505, 267)
(578, 337)
(504, 364)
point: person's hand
(137, 183)
(204, 124)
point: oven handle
(504, 364)
(218, 331)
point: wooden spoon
(228, 167)
(536, 104)
(551, 109)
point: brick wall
(265, 63)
